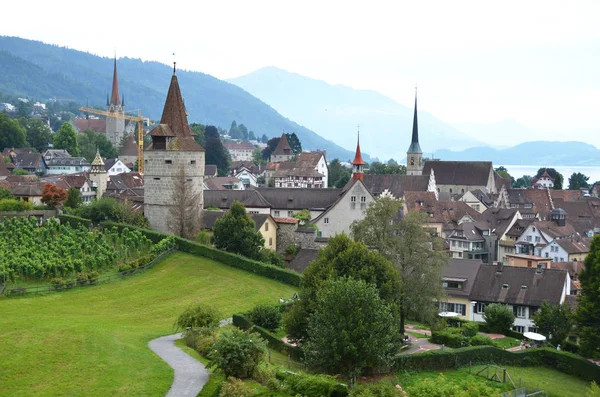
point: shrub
(570, 346)
(15, 205)
(237, 353)
(450, 337)
(312, 385)
(272, 340)
(379, 389)
(74, 221)
(439, 386)
(212, 387)
(481, 340)
(470, 329)
(267, 376)
(292, 249)
(271, 257)
(82, 278)
(266, 316)
(203, 238)
(198, 316)
(204, 343)
(58, 283)
(499, 318)
(234, 388)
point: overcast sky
(536, 62)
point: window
(276, 214)
(532, 329)
(363, 199)
(326, 221)
(504, 286)
(168, 161)
(528, 238)
(353, 199)
(266, 226)
(537, 239)
(521, 312)
(556, 259)
(454, 284)
(157, 179)
(193, 162)
(519, 328)
(271, 241)
(479, 307)
(290, 213)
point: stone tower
(414, 155)
(283, 151)
(115, 127)
(98, 175)
(358, 164)
(172, 162)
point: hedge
(273, 341)
(74, 221)
(443, 360)
(262, 269)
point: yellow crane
(139, 119)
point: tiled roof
(565, 195)
(303, 259)
(238, 146)
(219, 182)
(28, 190)
(300, 171)
(19, 150)
(210, 217)
(279, 198)
(98, 125)
(464, 269)
(490, 282)
(130, 148)
(574, 268)
(283, 147)
(308, 159)
(291, 221)
(126, 180)
(67, 181)
(249, 165)
(470, 173)
(395, 184)
(553, 230)
(575, 246)
(255, 199)
(27, 160)
(66, 161)
(499, 218)
(210, 170)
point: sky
(534, 62)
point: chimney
(499, 267)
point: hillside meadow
(93, 341)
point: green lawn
(506, 342)
(555, 383)
(93, 341)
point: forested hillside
(44, 71)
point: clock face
(412, 161)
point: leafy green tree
(257, 157)
(24, 109)
(200, 134)
(554, 321)
(237, 353)
(215, 152)
(523, 182)
(588, 309)
(91, 141)
(503, 172)
(390, 168)
(19, 171)
(198, 316)
(11, 133)
(264, 138)
(271, 145)
(499, 318)
(577, 180)
(342, 257)
(294, 142)
(109, 209)
(338, 174)
(351, 329)
(74, 199)
(39, 134)
(252, 136)
(66, 139)
(234, 131)
(557, 176)
(409, 246)
(266, 316)
(5, 194)
(243, 132)
(235, 232)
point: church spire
(414, 143)
(358, 163)
(115, 99)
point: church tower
(414, 156)
(115, 127)
(98, 175)
(358, 163)
(173, 170)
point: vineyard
(30, 251)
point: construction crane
(139, 119)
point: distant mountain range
(542, 153)
(43, 71)
(334, 111)
(510, 131)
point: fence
(78, 284)
(522, 392)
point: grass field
(555, 383)
(93, 341)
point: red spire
(115, 99)
(358, 157)
(358, 162)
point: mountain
(509, 130)
(43, 71)
(542, 153)
(334, 111)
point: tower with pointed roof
(414, 155)
(98, 175)
(283, 151)
(115, 127)
(358, 162)
(172, 161)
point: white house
(67, 165)
(545, 181)
(115, 167)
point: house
(545, 182)
(6, 166)
(29, 192)
(458, 280)
(246, 171)
(574, 269)
(223, 183)
(539, 234)
(51, 154)
(264, 223)
(127, 188)
(309, 170)
(210, 171)
(476, 199)
(531, 203)
(115, 167)
(394, 185)
(67, 165)
(573, 249)
(33, 163)
(79, 181)
(524, 260)
(472, 240)
(92, 123)
(128, 153)
(462, 176)
(522, 288)
(283, 151)
(239, 151)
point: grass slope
(93, 341)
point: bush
(450, 337)
(470, 329)
(203, 238)
(15, 205)
(198, 316)
(74, 221)
(234, 388)
(271, 257)
(58, 283)
(82, 278)
(499, 318)
(212, 387)
(267, 376)
(379, 389)
(439, 386)
(266, 316)
(481, 340)
(570, 347)
(237, 353)
(312, 385)
(273, 341)
(293, 249)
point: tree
(264, 138)
(39, 134)
(257, 157)
(557, 176)
(342, 257)
(19, 171)
(499, 318)
(271, 145)
(577, 181)
(523, 182)
(215, 151)
(251, 136)
(554, 321)
(198, 316)
(266, 316)
(66, 139)
(5, 194)
(237, 353)
(53, 196)
(391, 168)
(12, 135)
(588, 309)
(200, 134)
(73, 198)
(409, 246)
(338, 174)
(294, 142)
(90, 141)
(234, 131)
(503, 172)
(351, 329)
(184, 211)
(24, 109)
(235, 232)
(243, 132)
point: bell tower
(115, 126)
(414, 155)
(358, 163)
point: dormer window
(504, 286)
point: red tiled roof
(358, 160)
(286, 220)
(283, 147)
(98, 125)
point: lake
(517, 171)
